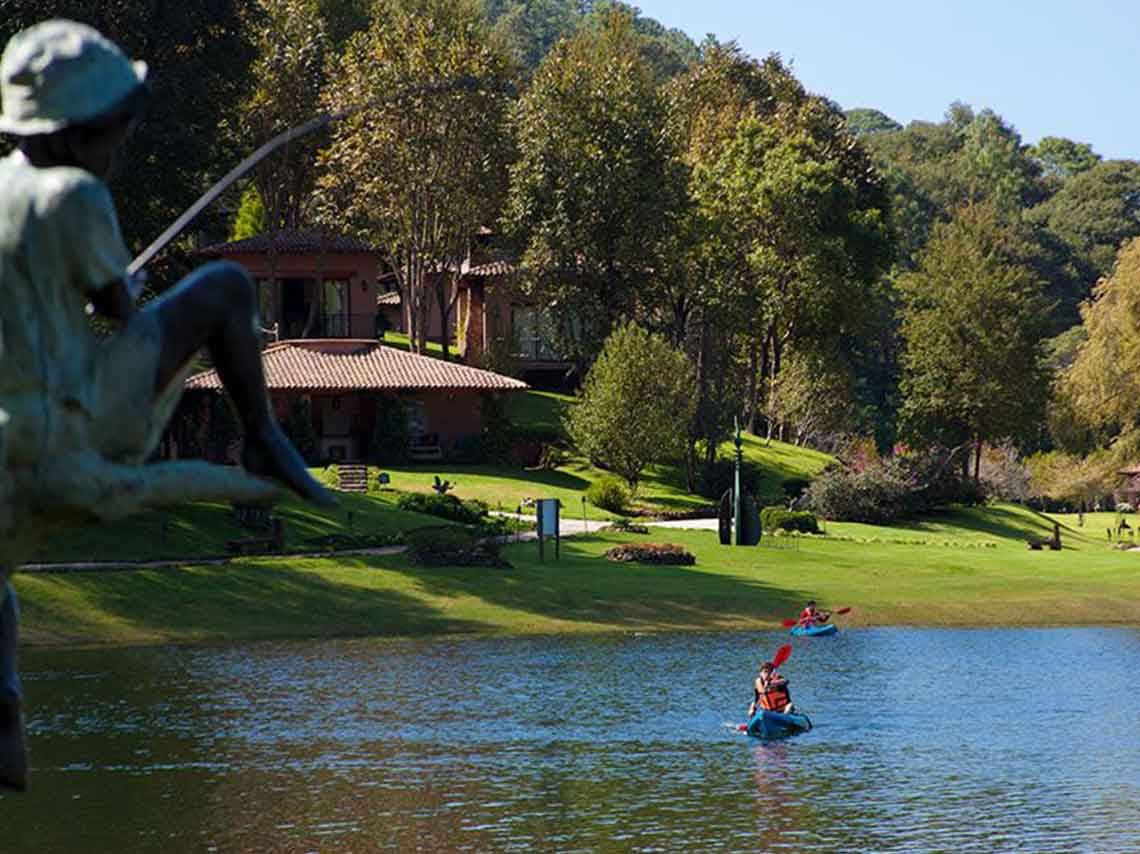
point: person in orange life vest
(771, 692)
(809, 616)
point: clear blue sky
(1050, 68)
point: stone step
(352, 478)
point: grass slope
(202, 529)
(662, 486)
(963, 569)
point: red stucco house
(344, 380)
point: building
(345, 381)
(310, 284)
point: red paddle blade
(843, 611)
(789, 623)
(781, 655)
(742, 727)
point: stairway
(352, 478)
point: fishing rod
(284, 138)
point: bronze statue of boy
(79, 414)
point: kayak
(815, 631)
(769, 725)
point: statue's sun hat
(60, 73)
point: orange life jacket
(775, 697)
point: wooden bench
(273, 541)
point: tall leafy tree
(198, 54)
(1101, 388)
(1094, 212)
(973, 323)
(423, 168)
(593, 194)
(293, 47)
(709, 300)
(804, 197)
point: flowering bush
(663, 553)
(882, 490)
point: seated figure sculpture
(80, 414)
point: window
(334, 304)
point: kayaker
(809, 616)
(771, 692)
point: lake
(925, 741)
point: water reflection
(963, 741)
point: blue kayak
(815, 631)
(769, 725)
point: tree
(1061, 158)
(813, 395)
(635, 404)
(1093, 213)
(424, 167)
(972, 323)
(198, 54)
(863, 121)
(250, 218)
(803, 196)
(593, 193)
(707, 301)
(1101, 389)
(292, 48)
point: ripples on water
(925, 741)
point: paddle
(781, 656)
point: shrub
(389, 445)
(780, 519)
(896, 487)
(608, 493)
(470, 512)
(448, 546)
(299, 428)
(659, 553)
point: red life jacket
(808, 616)
(775, 697)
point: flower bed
(660, 553)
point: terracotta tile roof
(341, 364)
(291, 242)
(390, 298)
(492, 268)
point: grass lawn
(662, 486)
(202, 529)
(965, 569)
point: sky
(1049, 68)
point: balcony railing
(536, 348)
(332, 326)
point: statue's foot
(13, 751)
(270, 454)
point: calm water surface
(925, 741)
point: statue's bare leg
(13, 754)
(215, 307)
